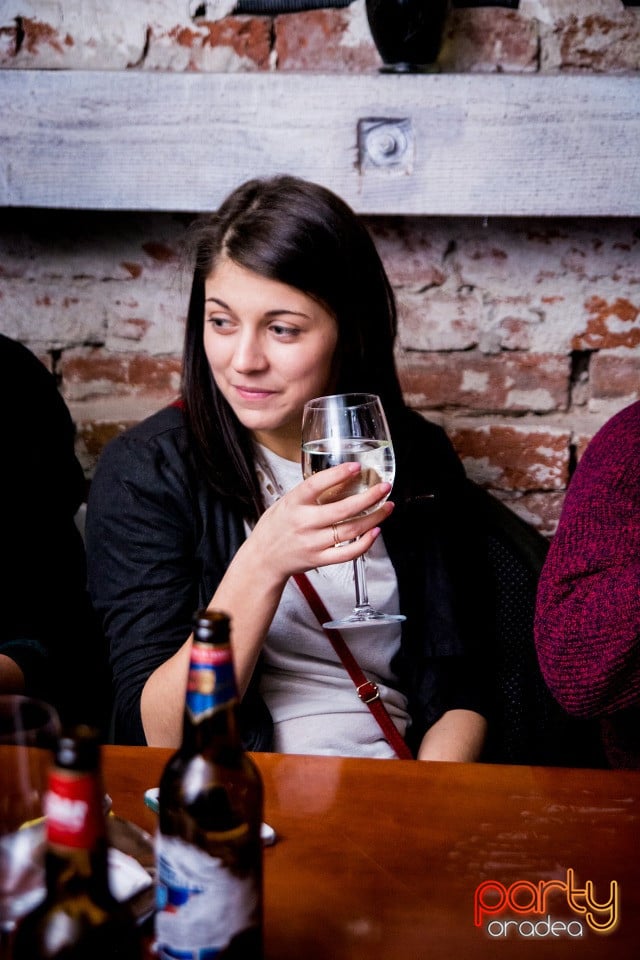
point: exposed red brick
(599, 42)
(581, 441)
(488, 254)
(187, 37)
(609, 325)
(314, 41)
(85, 367)
(133, 268)
(502, 382)
(154, 373)
(159, 251)
(38, 34)
(547, 234)
(541, 510)
(489, 39)
(131, 328)
(95, 436)
(46, 359)
(506, 457)
(8, 45)
(248, 37)
(443, 320)
(514, 333)
(410, 254)
(613, 376)
(92, 374)
(497, 288)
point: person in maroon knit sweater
(587, 622)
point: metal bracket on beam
(385, 144)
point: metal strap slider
(368, 691)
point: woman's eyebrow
(286, 312)
(277, 312)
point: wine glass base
(364, 620)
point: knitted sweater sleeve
(587, 624)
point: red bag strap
(367, 690)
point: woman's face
(270, 348)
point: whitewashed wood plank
(478, 145)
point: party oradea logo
(549, 909)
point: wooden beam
(450, 144)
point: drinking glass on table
(343, 428)
(28, 729)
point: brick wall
(521, 337)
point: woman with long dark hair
(203, 503)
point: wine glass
(28, 728)
(343, 428)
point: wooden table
(382, 859)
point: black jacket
(159, 541)
(46, 622)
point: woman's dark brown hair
(303, 235)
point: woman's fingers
(354, 527)
(301, 530)
(334, 483)
(345, 486)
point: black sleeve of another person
(46, 622)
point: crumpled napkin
(126, 876)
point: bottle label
(73, 810)
(201, 905)
(211, 684)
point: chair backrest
(528, 726)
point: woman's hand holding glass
(357, 508)
(300, 530)
(342, 428)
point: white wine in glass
(344, 428)
(28, 729)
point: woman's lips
(253, 393)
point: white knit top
(312, 699)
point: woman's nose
(249, 354)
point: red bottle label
(73, 809)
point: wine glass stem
(360, 580)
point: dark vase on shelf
(407, 33)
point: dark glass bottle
(407, 33)
(79, 917)
(208, 845)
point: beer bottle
(208, 845)
(79, 917)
